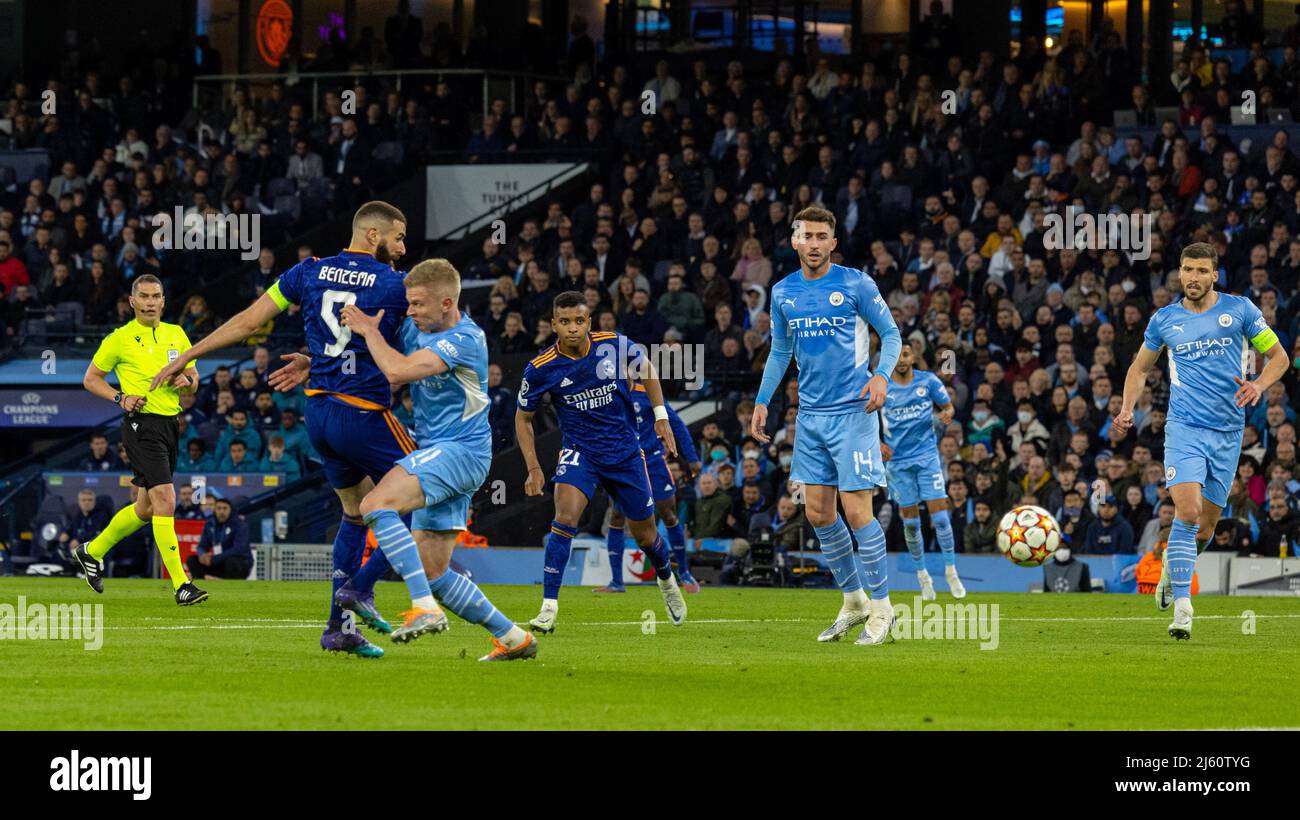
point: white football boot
(845, 621)
(927, 585)
(1164, 589)
(954, 583)
(544, 623)
(880, 624)
(1181, 628)
(674, 603)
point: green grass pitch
(747, 659)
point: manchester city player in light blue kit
(445, 362)
(588, 377)
(1209, 360)
(820, 315)
(913, 466)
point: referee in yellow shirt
(136, 351)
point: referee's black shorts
(151, 444)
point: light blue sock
(915, 541)
(871, 553)
(942, 521)
(1181, 553)
(838, 550)
(677, 541)
(462, 596)
(614, 546)
(399, 546)
(558, 545)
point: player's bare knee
(368, 505)
(162, 498)
(858, 520)
(820, 518)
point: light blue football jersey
(454, 404)
(1206, 352)
(824, 323)
(909, 416)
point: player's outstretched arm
(398, 367)
(236, 329)
(1134, 381)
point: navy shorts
(354, 442)
(628, 483)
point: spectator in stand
(1109, 534)
(12, 270)
(277, 460)
(101, 457)
(186, 508)
(194, 458)
(87, 522)
(238, 429)
(708, 515)
(223, 550)
(237, 459)
(980, 534)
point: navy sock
(677, 541)
(558, 544)
(614, 546)
(371, 571)
(349, 544)
(658, 552)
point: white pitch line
(286, 623)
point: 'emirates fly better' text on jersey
(591, 396)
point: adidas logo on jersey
(567, 381)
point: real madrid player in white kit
(1206, 333)
(820, 315)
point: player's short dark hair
(568, 299)
(1200, 250)
(377, 211)
(144, 279)
(816, 214)
(238, 441)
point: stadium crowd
(940, 173)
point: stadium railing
(486, 82)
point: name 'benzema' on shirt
(343, 276)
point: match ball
(1028, 535)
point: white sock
(856, 599)
(921, 573)
(425, 602)
(514, 637)
(550, 604)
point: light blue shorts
(917, 480)
(449, 473)
(1202, 456)
(838, 451)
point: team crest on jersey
(1224, 320)
(920, 391)
(837, 298)
(605, 369)
(1170, 473)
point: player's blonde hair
(438, 275)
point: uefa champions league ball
(1028, 535)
